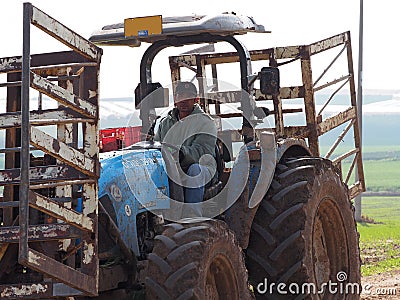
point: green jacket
(195, 135)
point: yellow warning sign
(143, 26)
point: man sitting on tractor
(194, 133)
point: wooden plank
(63, 96)
(42, 232)
(57, 210)
(61, 272)
(65, 35)
(63, 152)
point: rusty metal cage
(315, 125)
(49, 207)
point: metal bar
(331, 97)
(330, 65)
(43, 117)
(39, 233)
(25, 138)
(18, 83)
(10, 84)
(55, 269)
(309, 102)
(64, 66)
(65, 35)
(346, 77)
(351, 169)
(337, 120)
(355, 189)
(278, 115)
(63, 96)
(344, 156)
(10, 64)
(14, 64)
(90, 260)
(57, 210)
(183, 64)
(328, 43)
(339, 139)
(9, 204)
(14, 149)
(40, 174)
(63, 152)
(357, 121)
(62, 183)
(297, 131)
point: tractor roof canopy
(156, 28)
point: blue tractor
(278, 213)
(277, 218)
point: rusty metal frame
(71, 79)
(316, 126)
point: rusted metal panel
(63, 96)
(57, 210)
(40, 174)
(337, 120)
(55, 269)
(63, 152)
(44, 117)
(65, 35)
(42, 232)
(328, 43)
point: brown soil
(381, 286)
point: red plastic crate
(117, 138)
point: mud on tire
(304, 232)
(197, 261)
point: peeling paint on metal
(33, 258)
(67, 36)
(88, 254)
(64, 96)
(67, 214)
(24, 290)
(68, 154)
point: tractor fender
(268, 163)
(240, 215)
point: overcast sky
(292, 22)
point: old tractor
(277, 218)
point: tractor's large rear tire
(197, 261)
(304, 235)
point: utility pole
(357, 201)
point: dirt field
(382, 286)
